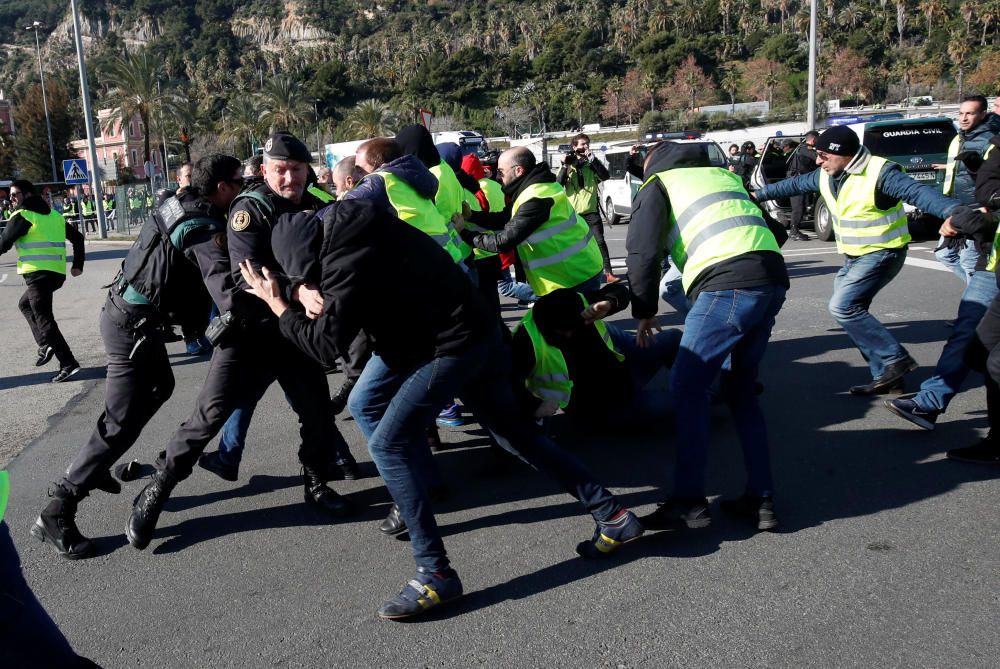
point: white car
(615, 194)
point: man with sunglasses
(176, 257)
(864, 195)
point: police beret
(838, 140)
(286, 146)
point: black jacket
(647, 240)
(803, 160)
(512, 230)
(380, 275)
(18, 227)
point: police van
(616, 193)
(917, 144)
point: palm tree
(901, 17)
(242, 121)
(933, 9)
(370, 118)
(284, 103)
(731, 82)
(133, 89)
(185, 115)
(958, 52)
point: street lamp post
(319, 149)
(91, 146)
(35, 25)
(811, 97)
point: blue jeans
(672, 291)
(951, 370)
(234, 434)
(644, 404)
(394, 408)
(960, 261)
(735, 323)
(855, 286)
(518, 290)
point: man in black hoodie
(735, 277)
(40, 235)
(449, 344)
(554, 244)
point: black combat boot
(57, 526)
(322, 496)
(393, 523)
(147, 507)
(339, 400)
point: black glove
(973, 161)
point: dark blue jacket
(978, 140)
(409, 169)
(893, 185)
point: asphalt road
(888, 557)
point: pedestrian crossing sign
(75, 171)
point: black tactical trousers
(36, 307)
(597, 229)
(136, 388)
(238, 375)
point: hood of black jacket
(539, 174)
(417, 141)
(36, 203)
(411, 170)
(672, 155)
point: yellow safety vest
(949, 169)
(549, 378)
(88, 208)
(562, 252)
(859, 225)
(4, 491)
(43, 246)
(417, 211)
(475, 206)
(583, 198)
(449, 198)
(320, 194)
(712, 219)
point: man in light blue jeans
(854, 288)
(937, 392)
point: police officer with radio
(177, 256)
(252, 354)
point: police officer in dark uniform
(254, 354)
(177, 256)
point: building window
(134, 162)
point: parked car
(916, 144)
(616, 193)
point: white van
(616, 193)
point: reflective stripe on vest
(43, 246)
(712, 219)
(582, 198)
(549, 378)
(417, 211)
(858, 224)
(448, 200)
(991, 263)
(560, 258)
(4, 491)
(949, 169)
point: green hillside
(498, 65)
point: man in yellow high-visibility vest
(864, 194)
(40, 234)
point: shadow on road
(800, 269)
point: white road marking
(927, 264)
